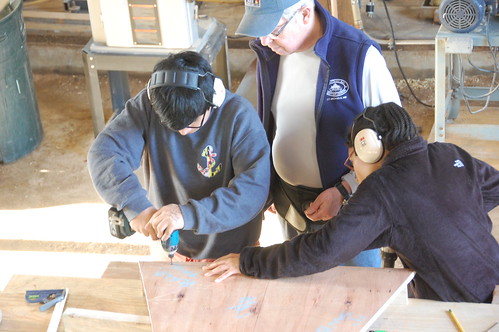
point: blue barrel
(20, 126)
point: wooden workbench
(116, 302)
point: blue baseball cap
(262, 16)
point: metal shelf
(118, 61)
(448, 46)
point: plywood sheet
(179, 297)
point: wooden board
(122, 270)
(16, 312)
(112, 295)
(84, 320)
(341, 299)
(431, 316)
(118, 295)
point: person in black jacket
(428, 202)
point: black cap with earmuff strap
(189, 80)
(181, 79)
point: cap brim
(259, 25)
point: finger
(167, 232)
(310, 211)
(218, 269)
(312, 216)
(224, 276)
(211, 266)
(159, 228)
(156, 219)
(150, 232)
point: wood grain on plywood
(343, 298)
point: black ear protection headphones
(186, 79)
(367, 143)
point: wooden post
(3, 4)
(346, 10)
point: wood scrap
(495, 295)
(83, 320)
(432, 316)
(57, 313)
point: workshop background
(52, 222)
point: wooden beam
(346, 10)
(3, 4)
(329, 5)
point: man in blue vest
(315, 73)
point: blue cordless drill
(171, 245)
(119, 226)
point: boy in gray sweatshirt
(204, 154)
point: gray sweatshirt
(219, 175)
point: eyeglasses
(202, 121)
(276, 34)
(348, 162)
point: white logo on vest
(337, 89)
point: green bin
(20, 126)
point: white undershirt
(293, 149)
(293, 107)
(378, 84)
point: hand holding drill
(159, 224)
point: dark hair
(178, 107)
(391, 121)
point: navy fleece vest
(342, 50)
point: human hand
(166, 220)
(325, 206)
(225, 266)
(141, 223)
(272, 209)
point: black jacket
(430, 203)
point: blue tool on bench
(49, 297)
